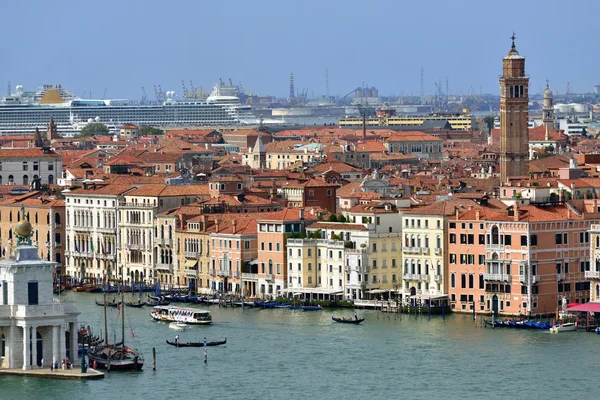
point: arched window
(0, 179)
(57, 219)
(25, 180)
(50, 179)
(11, 180)
(3, 346)
(495, 235)
(597, 291)
(452, 280)
(270, 266)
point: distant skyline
(121, 46)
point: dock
(56, 374)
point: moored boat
(134, 304)
(108, 303)
(311, 308)
(191, 316)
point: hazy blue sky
(122, 45)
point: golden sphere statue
(23, 228)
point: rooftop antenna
(327, 82)
(422, 88)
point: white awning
(428, 296)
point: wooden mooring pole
(154, 359)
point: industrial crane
(185, 91)
(144, 96)
(339, 99)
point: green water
(278, 354)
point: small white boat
(568, 327)
(178, 326)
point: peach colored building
(466, 259)
(273, 230)
(535, 256)
(233, 247)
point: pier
(91, 374)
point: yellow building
(456, 121)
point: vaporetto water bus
(191, 316)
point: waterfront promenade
(278, 353)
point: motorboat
(190, 316)
(178, 326)
(568, 327)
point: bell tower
(514, 99)
(548, 108)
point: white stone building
(23, 166)
(33, 324)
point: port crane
(339, 99)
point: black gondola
(197, 344)
(108, 303)
(135, 305)
(348, 320)
(158, 303)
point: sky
(119, 46)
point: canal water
(280, 353)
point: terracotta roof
(413, 136)
(33, 152)
(290, 214)
(108, 190)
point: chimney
(203, 223)
(516, 211)
(476, 215)
(234, 224)
(217, 225)
(568, 213)
(301, 214)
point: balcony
(190, 254)
(437, 278)
(83, 254)
(236, 274)
(124, 204)
(269, 277)
(190, 272)
(112, 257)
(138, 246)
(224, 273)
(415, 277)
(560, 277)
(494, 247)
(437, 251)
(592, 274)
(534, 278)
(163, 266)
(212, 271)
(163, 241)
(411, 250)
(497, 277)
(106, 230)
(249, 276)
(424, 250)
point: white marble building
(33, 324)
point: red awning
(586, 307)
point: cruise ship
(22, 112)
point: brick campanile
(514, 134)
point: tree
(95, 129)
(332, 218)
(489, 120)
(150, 131)
(341, 218)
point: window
(507, 240)
(374, 247)
(463, 238)
(470, 238)
(565, 238)
(559, 238)
(25, 166)
(50, 167)
(452, 280)
(452, 238)
(533, 240)
(471, 281)
(463, 281)
(523, 240)
(32, 293)
(481, 282)
(452, 258)
(309, 252)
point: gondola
(158, 303)
(135, 305)
(197, 344)
(348, 320)
(108, 303)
